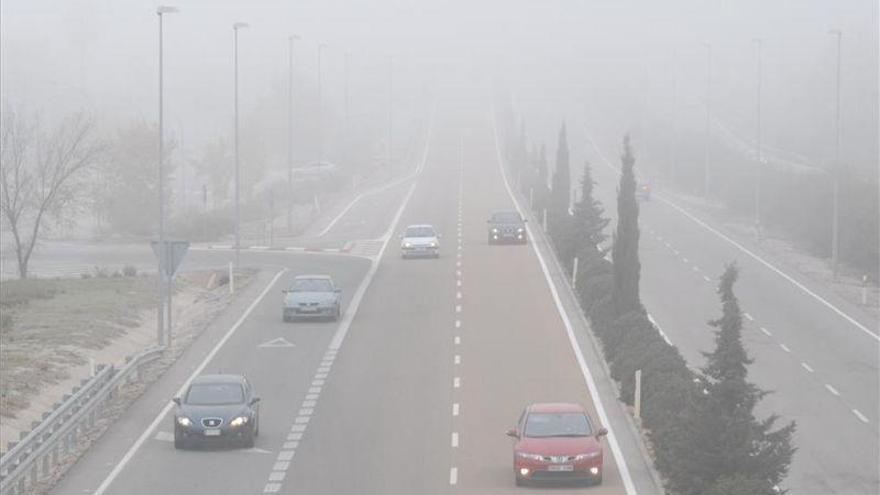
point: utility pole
(759, 158)
(235, 28)
(835, 222)
(708, 132)
(160, 279)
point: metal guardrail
(35, 456)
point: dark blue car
(217, 408)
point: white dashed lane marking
(784, 347)
(456, 382)
(859, 415)
(455, 409)
(766, 332)
(832, 390)
(749, 317)
(807, 367)
(457, 359)
(453, 476)
(454, 439)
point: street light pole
(235, 28)
(835, 222)
(674, 147)
(708, 120)
(321, 47)
(160, 279)
(759, 158)
(290, 40)
(390, 116)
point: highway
(821, 365)
(412, 391)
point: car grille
(559, 458)
(211, 422)
(306, 305)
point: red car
(557, 442)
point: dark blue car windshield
(215, 394)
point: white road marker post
(231, 280)
(574, 271)
(637, 400)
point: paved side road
(817, 354)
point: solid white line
(455, 408)
(453, 476)
(807, 367)
(146, 434)
(347, 317)
(859, 415)
(832, 390)
(625, 475)
(784, 347)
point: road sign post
(170, 254)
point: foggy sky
(607, 62)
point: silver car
(420, 241)
(312, 296)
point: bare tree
(40, 175)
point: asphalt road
(821, 367)
(412, 392)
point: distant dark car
(507, 226)
(217, 408)
(312, 296)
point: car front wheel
(179, 440)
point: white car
(420, 241)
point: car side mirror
(253, 401)
(602, 432)
(176, 400)
(512, 433)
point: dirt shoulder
(53, 331)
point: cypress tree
(625, 251)
(729, 446)
(541, 192)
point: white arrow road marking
(279, 342)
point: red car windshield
(570, 424)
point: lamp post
(390, 116)
(708, 120)
(235, 28)
(759, 158)
(290, 40)
(160, 312)
(835, 221)
(321, 47)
